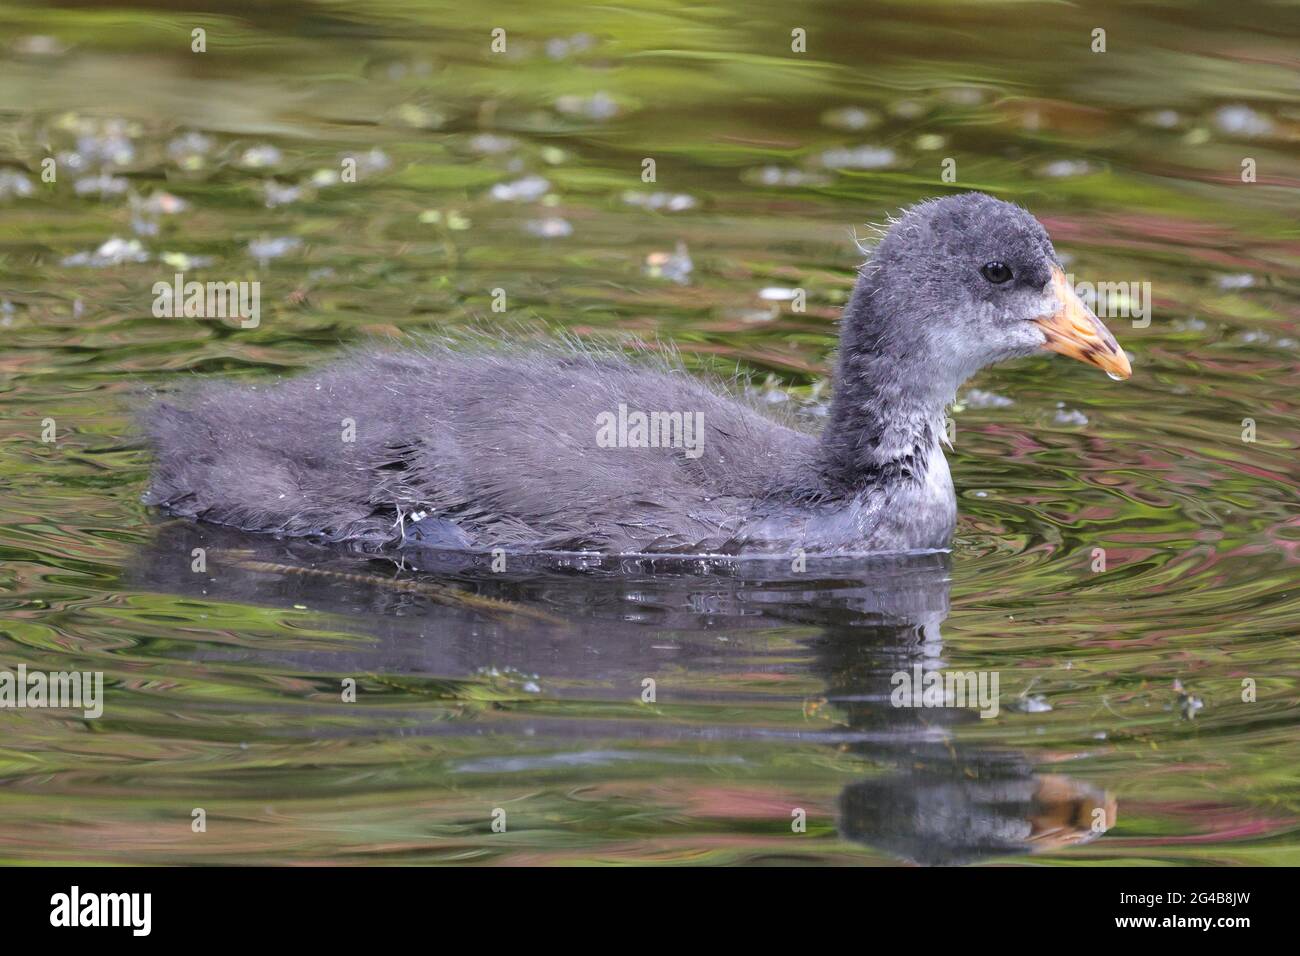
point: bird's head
(966, 281)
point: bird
(572, 448)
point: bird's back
(511, 449)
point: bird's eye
(997, 272)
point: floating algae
(435, 592)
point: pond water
(1126, 559)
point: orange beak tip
(1073, 330)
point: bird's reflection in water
(945, 802)
(936, 800)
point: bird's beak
(1074, 331)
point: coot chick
(565, 449)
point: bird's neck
(887, 414)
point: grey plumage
(502, 443)
(498, 447)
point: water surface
(522, 691)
